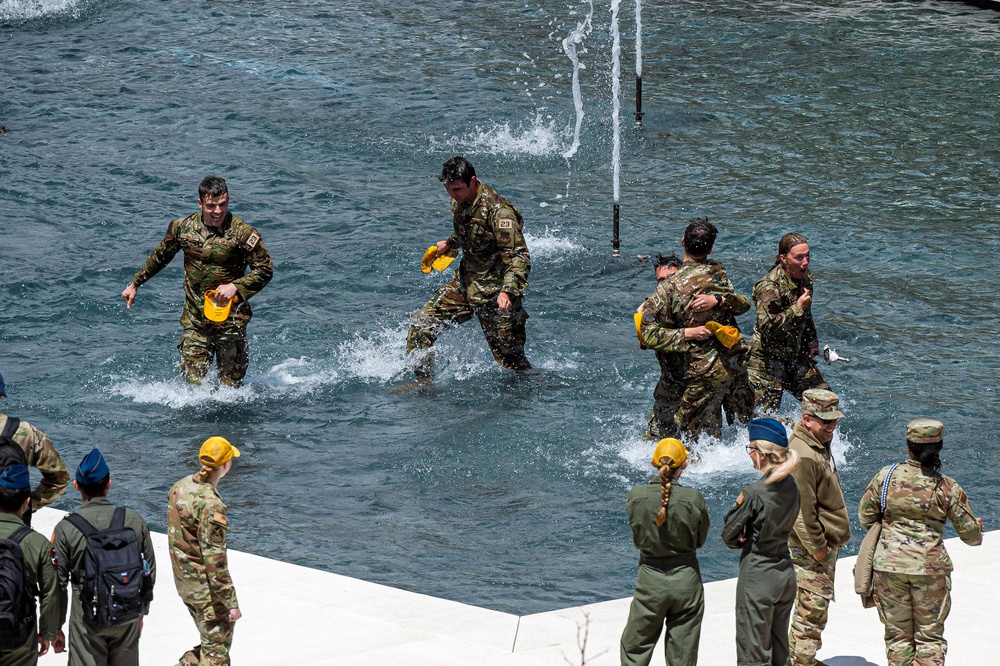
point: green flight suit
(38, 559)
(112, 646)
(668, 589)
(760, 523)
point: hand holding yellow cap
(439, 264)
(213, 310)
(727, 335)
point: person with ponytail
(911, 566)
(669, 523)
(759, 524)
(784, 341)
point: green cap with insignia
(924, 431)
(822, 404)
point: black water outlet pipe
(638, 101)
(615, 242)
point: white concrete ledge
(295, 615)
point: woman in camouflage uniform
(912, 567)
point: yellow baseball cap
(216, 451)
(672, 449)
(214, 311)
(428, 261)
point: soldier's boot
(191, 658)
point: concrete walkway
(293, 615)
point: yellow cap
(216, 451)
(214, 311)
(669, 448)
(638, 325)
(727, 335)
(428, 261)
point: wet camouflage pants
(812, 604)
(216, 638)
(913, 610)
(740, 399)
(769, 376)
(666, 400)
(672, 599)
(229, 346)
(700, 409)
(504, 329)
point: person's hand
(43, 646)
(129, 294)
(503, 301)
(234, 614)
(225, 293)
(704, 302)
(979, 521)
(806, 299)
(697, 333)
(442, 247)
(59, 644)
(640, 308)
(820, 556)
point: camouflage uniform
(707, 377)
(822, 522)
(783, 339)
(912, 567)
(495, 258)
(666, 396)
(40, 454)
(765, 589)
(196, 535)
(668, 587)
(39, 559)
(213, 257)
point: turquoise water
(869, 127)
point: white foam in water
(21, 10)
(570, 44)
(616, 103)
(550, 245)
(638, 38)
(380, 357)
(539, 138)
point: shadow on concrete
(847, 661)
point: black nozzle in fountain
(615, 241)
(638, 101)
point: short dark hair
(699, 237)
(212, 186)
(671, 260)
(457, 168)
(96, 489)
(11, 499)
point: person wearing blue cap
(23, 444)
(759, 524)
(88, 645)
(36, 629)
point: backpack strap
(81, 523)
(118, 520)
(10, 428)
(885, 489)
(18, 535)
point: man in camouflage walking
(491, 278)
(822, 527)
(196, 535)
(218, 248)
(674, 318)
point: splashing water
(638, 39)
(569, 44)
(26, 10)
(616, 91)
(550, 246)
(540, 139)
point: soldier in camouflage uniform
(912, 567)
(784, 342)
(40, 454)
(111, 646)
(670, 387)
(15, 495)
(823, 525)
(218, 248)
(196, 535)
(491, 277)
(674, 318)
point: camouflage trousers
(740, 399)
(666, 400)
(770, 376)
(504, 329)
(216, 637)
(812, 604)
(700, 408)
(913, 610)
(228, 345)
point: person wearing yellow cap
(912, 569)
(759, 524)
(669, 523)
(196, 536)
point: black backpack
(17, 594)
(117, 588)
(11, 453)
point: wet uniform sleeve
(40, 454)
(962, 517)
(259, 261)
(771, 318)
(212, 528)
(807, 526)
(730, 301)
(507, 230)
(161, 255)
(658, 329)
(737, 519)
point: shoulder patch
(739, 500)
(252, 240)
(505, 223)
(220, 519)
(52, 557)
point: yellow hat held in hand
(214, 311)
(727, 335)
(638, 325)
(216, 451)
(428, 261)
(669, 448)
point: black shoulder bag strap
(8, 436)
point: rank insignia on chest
(739, 500)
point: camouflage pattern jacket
(666, 314)
(783, 330)
(495, 257)
(196, 535)
(823, 519)
(40, 454)
(212, 257)
(38, 559)
(917, 506)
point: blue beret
(770, 430)
(3, 390)
(15, 477)
(92, 469)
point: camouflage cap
(821, 403)
(924, 431)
